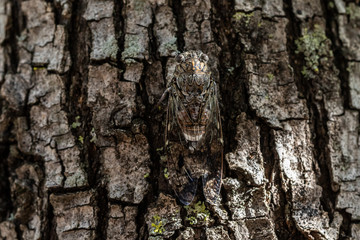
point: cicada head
(192, 74)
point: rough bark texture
(80, 144)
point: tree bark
(81, 146)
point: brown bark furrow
(250, 191)
(299, 182)
(45, 133)
(344, 149)
(272, 94)
(326, 98)
(124, 151)
(6, 16)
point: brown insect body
(193, 136)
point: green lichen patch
(77, 179)
(168, 46)
(197, 213)
(163, 159)
(315, 47)
(38, 68)
(93, 136)
(246, 17)
(163, 217)
(353, 11)
(270, 76)
(133, 47)
(166, 173)
(111, 48)
(140, 5)
(77, 122)
(157, 225)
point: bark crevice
(14, 34)
(179, 17)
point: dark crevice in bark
(317, 114)
(6, 203)
(73, 50)
(62, 168)
(224, 200)
(341, 64)
(62, 190)
(103, 212)
(284, 229)
(141, 92)
(317, 124)
(56, 9)
(152, 39)
(322, 155)
(154, 176)
(231, 87)
(76, 89)
(122, 203)
(345, 228)
(18, 230)
(234, 92)
(13, 32)
(102, 62)
(140, 217)
(340, 61)
(119, 25)
(5, 197)
(176, 234)
(50, 229)
(92, 155)
(267, 147)
(27, 108)
(164, 64)
(78, 41)
(180, 23)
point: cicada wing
(187, 192)
(212, 179)
(180, 177)
(214, 159)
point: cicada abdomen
(193, 136)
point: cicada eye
(204, 57)
(180, 58)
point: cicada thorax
(192, 81)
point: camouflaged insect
(193, 136)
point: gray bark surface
(81, 147)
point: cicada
(193, 135)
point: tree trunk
(81, 146)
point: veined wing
(180, 176)
(214, 159)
